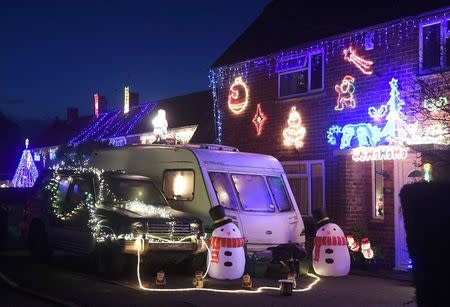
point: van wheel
(38, 242)
(196, 262)
(108, 261)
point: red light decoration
(363, 65)
(259, 120)
(96, 104)
(238, 96)
(345, 93)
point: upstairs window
(300, 74)
(434, 41)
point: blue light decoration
(26, 172)
(386, 36)
(396, 129)
(113, 124)
(410, 265)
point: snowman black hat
(219, 217)
(321, 217)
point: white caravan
(252, 188)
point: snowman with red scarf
(330, 253)
(227, 247)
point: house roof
(285, 24)
(184, 110)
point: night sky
(56, 54)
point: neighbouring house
(189, 119)
(325, 88)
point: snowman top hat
(217, 213)
(321, 217)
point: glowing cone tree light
(26, 172)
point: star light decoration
(363, 65)
(259, 119)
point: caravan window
(253, 193)
(178, 184)
(224, 190)
(279, 193)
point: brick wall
(348, 183)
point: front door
(405, 171)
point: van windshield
(120, 190)
(253, 193)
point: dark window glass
(79, 193)
(61, 193)
(316, 71)
(300, 190)
(431, 42)
(279, 193)
(316, 186)
(293, 83)
(121, 190)
(224, 190)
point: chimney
(131, 99)
(72, 114)
(100, 104)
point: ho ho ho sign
(362, 154)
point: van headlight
(195, 228)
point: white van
(252, 188)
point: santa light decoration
(366, 249)
(330, 252)
(227, 247)
(258, 120)
(160, 124)
(26, 172)
(295, 132)
(345, 93)
(363, 65)
(238, 96)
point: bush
(426, 211)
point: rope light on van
(140, 243)
(99, 230)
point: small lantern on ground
(197, 282)
(160, 279)
(247, 282)
(286, 287)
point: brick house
(331, 103)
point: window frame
(374, 191)
(444, 34)
(308, 175)
(308, 68)
(164, 183)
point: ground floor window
(377, 190)
(307, 181)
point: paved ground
(67, 282)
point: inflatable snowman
(227, 247)
(330, 253)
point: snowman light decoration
(330, 253)
(227, 247)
